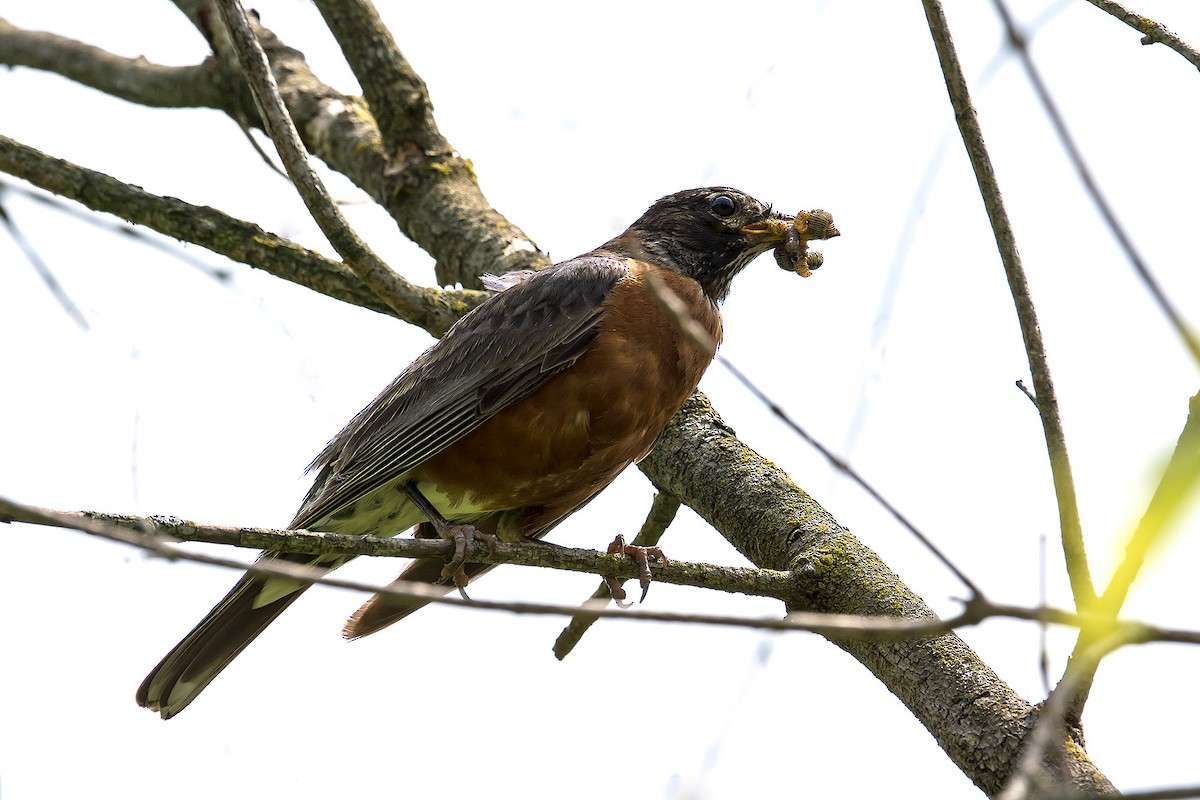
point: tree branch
(1060, 465)
(160, 536)
(132, 79)
(396, 94)
(430, 191)
(150, 535)
(1018, 42)
(776, 525)
(1154, 32)
(433, 309)
(390, 287)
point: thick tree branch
(976, 718)
(430, 190)
(433, 309)
(432, 194)
(396, 94)
(1043, 387)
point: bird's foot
(464, 537)
(641, 556)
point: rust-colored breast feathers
(553, 450)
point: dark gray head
(710, 235)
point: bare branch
(776, 525)
(741, 580)
(1018, 42)
(236, 239)
(132, 79)
(146, 534)
(394, 290)
(434, 196)
(430, 190)
(161, 535)
(1154, 31)
(1060, 465)
(396, 94)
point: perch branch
(161, 536)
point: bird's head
(710, 235)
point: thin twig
(1060, 466)
(1025, 389)
(1154, 32)
(1020, 44)
(383, 280)
(435, 198)
(844, 467)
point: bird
(523, 411)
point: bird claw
(641, 556)
(464, 538)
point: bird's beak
(768, 231)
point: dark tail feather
(221, 635)
(382, 610)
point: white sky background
(205, 400)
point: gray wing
(497, 354)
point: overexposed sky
(205, 399)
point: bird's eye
(723, 206)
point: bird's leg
(640, 555)
(463, 535)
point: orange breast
(550, 452)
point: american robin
(526, 408)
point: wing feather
(494, 356)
